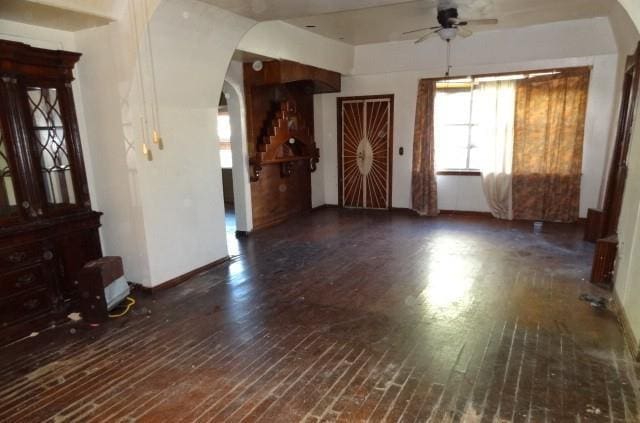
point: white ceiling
(267, 10)
(371, 21)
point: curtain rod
(575, 69)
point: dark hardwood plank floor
(348, 316)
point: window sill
(459, 173)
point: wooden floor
(348, 316)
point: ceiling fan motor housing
(447, 17)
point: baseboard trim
(467, 213)
(325, 206)
(171, 283)
(623, 321)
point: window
(455, 127)
(470, 114)
(224, 135)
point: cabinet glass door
(51, 147)
(8, 200)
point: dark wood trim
(339, 102)
(593, 225)
(182, 278)
(20, 59)
(339, 146)
(604, 258)
(278, 72)
(603, 267)
(618, 168)
(405, 210)
(459, 173)
(325, 206)
(466, 213)
(625, 325)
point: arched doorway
(234, 160)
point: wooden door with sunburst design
(365, 145)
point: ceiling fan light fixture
(448, 34)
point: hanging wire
(154, 91)
(448, 58)
(143, 117)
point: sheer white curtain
(494, 105)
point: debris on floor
(74, 317)
(596, 302)
(593, 410)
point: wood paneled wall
(275, 197)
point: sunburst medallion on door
(365, 126)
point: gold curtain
(424, 189)
(547, 154)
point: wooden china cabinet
(47, 228)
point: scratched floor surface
(348, 316)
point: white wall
(627, 282)
(395, 68)
(633, 10)
(627, 279)
(166, 216)
(234, 90)
(280, 40)
(323, 133)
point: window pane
(451, 158)
(452, 106)
(8, 201)
(476, 157)
(479, 135)
(51, 145)
(451, 147)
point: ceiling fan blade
(465, 32)
(420, 30)
(477, 22)
(424, 37)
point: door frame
(616, 181)
(339, 102)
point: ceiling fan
(451, 24)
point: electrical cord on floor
(130, 303)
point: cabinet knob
(48, 255)
(26, 204)
(25, 280)
(17, 257)
(31, 304)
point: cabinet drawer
(25, 279)
(24, 306)
(12, 258)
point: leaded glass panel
(8, 201)
(51, 147)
